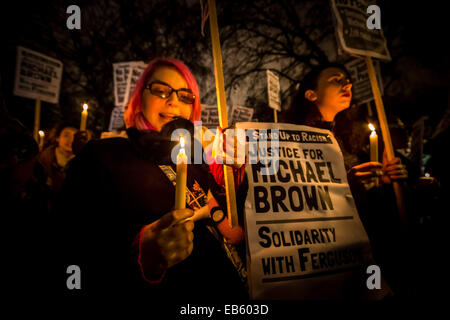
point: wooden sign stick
(386, 134)
(37, 120)
(222, 106)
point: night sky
(416, 80)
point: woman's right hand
(166, 242)
(365, 171)
(228, 149)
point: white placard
(240, 114)
(37, 76)
(121, 72)
(210, 116)
(136, 69)
(304, 237)
(126, 75)
(273, 90)
(116, 121)
(361, 88)
(353, 35)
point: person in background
(55, 157)
(25, 201)
(80, 139)
(324, 92)
(119, 222)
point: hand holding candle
(84, 115)
(180, 192)
(373, 144)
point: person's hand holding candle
(165, 242)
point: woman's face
(333, 93)
(65, 138)
(159, 111)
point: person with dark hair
(120, 226)
(56, 156)
(304, 107)
(325, 91)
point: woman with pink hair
(132, 200)
(139, 114)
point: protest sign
(210, 116)
(122, 71)
(273, 90)
(116, 121)
(241, 114)
(37, 76)
(353, 35)
(136, 69)
(361, 88)
(304, 237)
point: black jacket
(113, 188)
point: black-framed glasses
(163, 90)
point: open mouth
(167, 116)
(346, 94)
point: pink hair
(135, 103)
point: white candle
(373, 144)
(41, 139)
(180, 192)
(84, 115)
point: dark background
(287, 36)
(297, 33)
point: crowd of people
(107, 205)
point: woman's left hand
(393, 170)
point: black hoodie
(113, 188)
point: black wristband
(215, 214)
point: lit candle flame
(85, 106)
(182, 142)
(41, 133)
(180, 189)
(371, 127)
